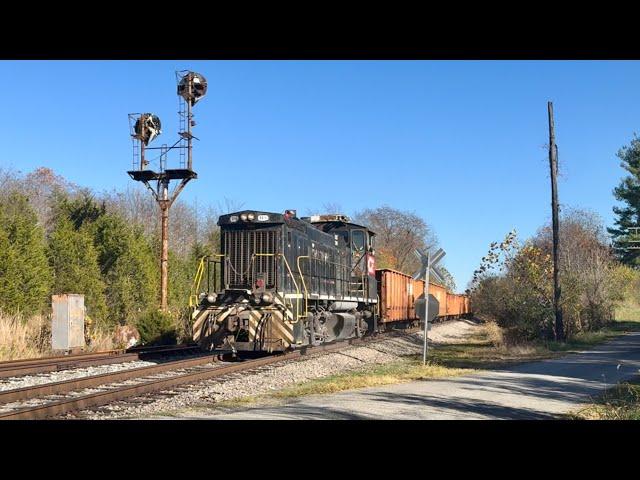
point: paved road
(537, 390)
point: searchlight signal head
(147, 128)
(192, 87)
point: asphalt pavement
(537, 390)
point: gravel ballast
(13, 383)
(274, 377)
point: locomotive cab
(359, 243)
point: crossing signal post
(426, 270)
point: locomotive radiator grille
(239, 247)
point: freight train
(283, 282)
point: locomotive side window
(357, 241)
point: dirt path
(536, 390)
(455, 331)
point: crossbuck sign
(427, 269)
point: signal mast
(145, 128)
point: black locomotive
(282, 282)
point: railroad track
(34, 366)
(58, 398)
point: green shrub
(157, 328)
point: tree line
(57, 237)
(598, 272)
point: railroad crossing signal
(428, 268)
(424, 258)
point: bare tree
(399, 233)
(39, 186)
(326, 208)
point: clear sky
(460, 143)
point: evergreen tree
(74, 260)
(182, 269)
(128, 265)
(25, 276)
(628, 215)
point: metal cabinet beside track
(67, 321)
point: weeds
(621, 402)
(30, 337)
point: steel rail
(65, 386)
(31, 361)
(53, 364)
(156, 385)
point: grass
(481, 352)
(630, 311)
(406, 370)
(30, 337)
(621, 402)
(23, 337)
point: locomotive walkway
(537, 390)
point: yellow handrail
(193, 295)
(292, 278)
(306, 292)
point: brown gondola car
(399, 291)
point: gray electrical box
(67, 324)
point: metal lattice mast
(145, 128)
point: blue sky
(461, 143)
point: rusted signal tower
(146, 127)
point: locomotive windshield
(357, 241)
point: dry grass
(24, 338)
(30, 337)
(494, 334)
(490, 348)
(619, 403)
(396, 372)
(628, 311)
(99, 340)
(405, 370)
(487, 348)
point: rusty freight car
(398, 292)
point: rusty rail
(18, 368)
(97, 399)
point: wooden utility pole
(553, 165)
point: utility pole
(553, 165)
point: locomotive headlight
(266, 298)
(243, 217)
(211, 298)
(251, 216)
